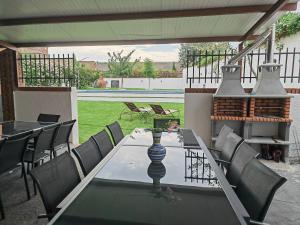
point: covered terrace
(81, 23)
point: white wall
(29, 104)
(156, 83)
(291, 42)
(197, 112)
(295, 126)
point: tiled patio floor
(284, 210)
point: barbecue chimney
(268, 82)
(231, 82)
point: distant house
(92, 65)
(35, 50)
(165, 68)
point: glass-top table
(10, 128)
(126, 188)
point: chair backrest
(55, 180)
(232, 141)
(158, 109)
(44, 140)
(48, 118)
(116, 132)
(242, 156)
(12, 151)
(164, 123)
(132, 106)
(222, 137)
(88, 155)
(103, 142)
(63, 133)
(257, 187)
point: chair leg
(2, 209)
(26, 182)
(28, 167)
(69, 148)
(33, 165)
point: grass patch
(93, 116)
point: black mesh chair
(11, 155)
(242, 156)
(116, 132)
(41, 149)
(55, 180)
(103, 142)
(221, 139)
(48, 118)
(88, 155)
(62, 135)
(229, 147)
(256, 189)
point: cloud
(156, 53)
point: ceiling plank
(268, 15)
(5, 44)
(144, 15)
(135, 42)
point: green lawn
(93, 116)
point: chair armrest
(222, 161)
(213, 149)
(254, 222)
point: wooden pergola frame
(268, 10)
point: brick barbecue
(261, 117)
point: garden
(94, 116)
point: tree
(87, 77)
(287, 25)
(149, 69)
(173, 67)
(208, 46)
(121, 66)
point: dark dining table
(187, 187)
(11, 128)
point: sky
(157, 53)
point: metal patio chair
(116, 132)
(242, 156)
(160, 111)
(256, 189)
(231, 143)
(143, 112)
(62, 136)
(11, 156)
(55, 180)
(221, 139)
(88, 155)
(36, 154)
(103, 142)
(48, 118)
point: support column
(240, 62)
(8, 75)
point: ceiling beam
(135, 42)
(144, 15)
(268, 15)
(5, 44)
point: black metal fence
(205, 66)
(45, 70)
